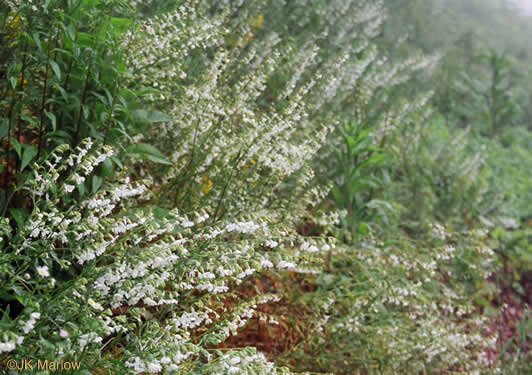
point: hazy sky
(526, 4)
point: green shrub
(233, 123)
(442, 175)
(89, 279)
(401, 306)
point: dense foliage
(160, 158)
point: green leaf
(159, 160)
(107, 168)
(110, 99)
(363, 229)
(17, 147)
(100, 97)
(20, 215)
(96, 183)
(29, 153)
(377, 159)
(142, 115)
(5, 324)
(52, 118)
(81, 189)
(148, 151)
(117, 161)
(61, 135)
(28, 119)
(4, 128)
(5, 316)
(123, 101)
(121, 24)
(86, 111)
(37, 41)
(56, 69)
(61, 91)
(380, 205)
(85, 40)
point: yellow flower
(207, 184)
(20, 79)
(10, 36)
(258, 22)
(246, 166)
(15, 22)
(12, 26)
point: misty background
(364, 166)
(526, 5)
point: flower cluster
(124, 263)
(143, 276)
(426, 319)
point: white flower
(7, 346)
(31, 323)
(242, 227)
(187, 224)
(264, 263)
(165, 360)
(79, 179)
(95, 305)
(271, 244)
(136, 364)
(35, 233)
(63, 333)
(69, 188)
(88, 338)
(284, 264)
(234, 361)
(43, 271)
(313, 249)
(154, 368)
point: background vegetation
(266, 187)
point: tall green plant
(357, 161)
(66, 79)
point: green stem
(83, 100)
(19, 121)
(43, 102)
